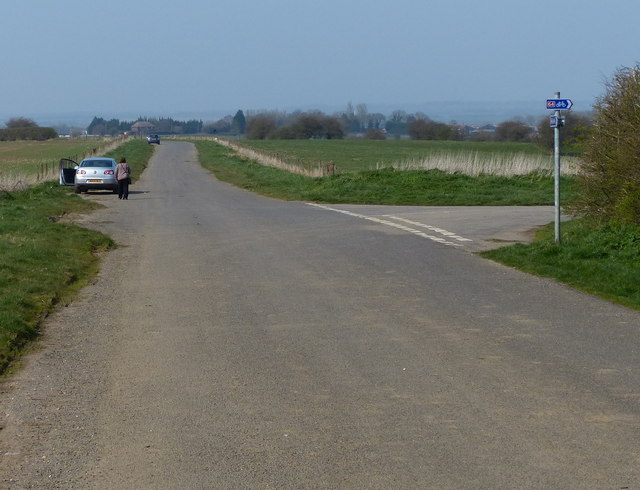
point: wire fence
(48, 170)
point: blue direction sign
(559, 104)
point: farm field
(25, 156)
(419, 187)
(456, 156)
(35, 161)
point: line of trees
(315, 124)
(113, 127)
(22, 128)
(312, 125)
(358, 122)
(348, 123)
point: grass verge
(137, 152)
(42, 261)
(603, 260)
(385, 186)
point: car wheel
(77, 190)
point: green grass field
(28, 157)
(359, 155)
(384, 186)
(137, 152)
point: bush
(425, 129)
(513, 131)
(311, 126)
(574, 133)
(610, 179)
(28, 133)
(375, 134)
(260, 127)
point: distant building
(485, 129)
(142, 127)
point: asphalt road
(234, 341)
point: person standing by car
(123, 176)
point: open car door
(67, 171)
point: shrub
(311, 126)
(260, 127)
(425, 129)
(375, 134)
(27, 133)
(610, 173)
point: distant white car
(91, 173)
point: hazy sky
(171, 57)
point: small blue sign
(553, 121)
(559, 104)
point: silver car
(92, 173)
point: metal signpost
(555, 122)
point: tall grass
(476, 163)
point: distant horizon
(460, 112)
(467, 61)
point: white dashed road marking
(440, 239)
(432, 228)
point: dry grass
(270, 160)
(475, 164)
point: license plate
(98, 181)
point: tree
(362, 116)
(397, 123)
(349, 120)
(313, 125)
(420, 129)
(97, 126)
(193, 126)
(574, 133)
(610, 177)
(21, 122)
(424, 128)
(375, 134)
(513, 131)
(332, 128)
(260, 127)
(239, 124)
(220, 126)
(27, 133)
